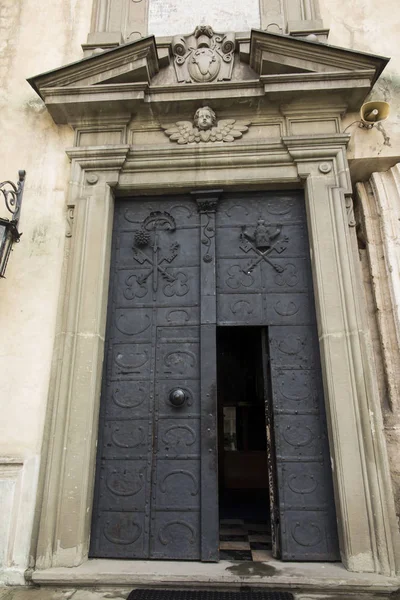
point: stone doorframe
(363, 494)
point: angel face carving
(206, 128)
(205, 118)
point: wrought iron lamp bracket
(9, 234)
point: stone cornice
(299, 78)
(74, 104)
(109, 88)
(316, 141)
(69, 105)
(348, 88)
(330, 149)
(100, 157)
(120, 80)
(159, 158)
(212, 156)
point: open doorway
(244, 493)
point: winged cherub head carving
(206, 128)
(205, 118)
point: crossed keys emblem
(154, 222)
(263, 240)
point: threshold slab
(299, 577)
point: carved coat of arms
(203, 56)
(262, 241)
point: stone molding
(121, 79)
(80, 345)
(378, 222)
(18, 479)
(360, 470)
(380, 198)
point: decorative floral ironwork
(155, 222)
(207, 206)
(12, 195)
(208, 234)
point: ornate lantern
(9, 234)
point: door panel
(264, 278)
(307, 516)
(175, 517)
(293, 347)
(147, 500)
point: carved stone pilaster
(272, 16)
(297, 17)
(114, 23)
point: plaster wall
(374, 27)
(169, 17)
(33, 38)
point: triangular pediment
(131, 63)
(275, 54)
(277, 66)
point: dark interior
(242, 445)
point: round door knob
(177, 397)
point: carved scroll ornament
(206, 128)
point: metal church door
(148, 487)
(264, 280)
(181, 267)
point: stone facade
(98, 126)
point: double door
(181, 267)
